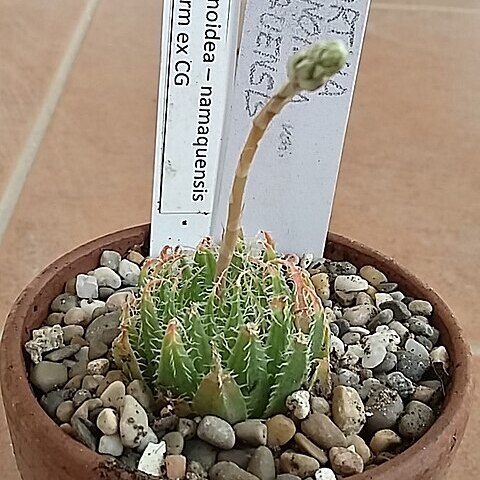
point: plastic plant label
(292, 184)
(199, 40)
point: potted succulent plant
(234, 362)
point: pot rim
(13, 367)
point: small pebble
(187, 428)
(54, 319)
(346, 377)
(141, 391)
(107, 421)
(416, 420)
(298, 464)
(299, 404)
(201, 452)
(384, 407)
(150, 437)
(325, 474)
(64, 302)
(104, 328)
(319, 405)
(322, 285)
(106, 277)
(176, 467)
(336, 346)
(350, 283)
(360, 447)
(359, 315)
(388, 364)
(98, 367)
(152, 459)
(62, 353)
(345, 462)
(420, 307)
(308, 447)
(47, 376)
(216, 432)
(175, 443)
(86, 286)
(280, 430)
(110, 445)
(399, 382)
(71, 331)
(133, 423)
(251, 432)
(65, 411)
(372, 275)
(348, 411)
(90, 307)
(400, 310)
(82, 429)
(239, 457)
(114, 395)
(412, 366)
(75, 316)
(384, 440)
(129, 271)
(80, 397)
(262, 464)
(230, 471)
(351, 338)
(323, 432)
(110, 259)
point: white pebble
(107, 421)
(325, 474)
(86, 286)
(110, 445)
(153, 458)
(133, 423)
(98, 367)
(299, 404)
(337, 346)
(350, 283)
(374, 355)
(417, 349)
(106, 277)
(382, 298)
(129, 271)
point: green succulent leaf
(176, 370)
(290, 377)
(218, 394)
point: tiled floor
(408, 184)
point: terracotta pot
(44, 452)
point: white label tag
(291, 187)
(197, 69)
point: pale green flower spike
(313, 67)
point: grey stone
(71, 331)
(64, 302)
(80, 397)
(400, 310)
(384, 317)
(239, 457)
(412, 366)
(387, 287)
(141, 391)
(262, 464)
(175, 443)
(65, 411)
(298, 464)
(425, 342)
(100, 366)
(104, 293)
(75, 316)
(360, 447)
(399, 382)
(351, 338)
(106, 277)
(47, 376)
(129, 271)
(251, 432)
(201, 452)
(419, 327)
(104, 328)
(418, 418)
(217, 432)
(350, 284)
(110, 259)
(322, 431)
(388, 364)
(230, 471)
(52, 400)
(341, 268)
(62, 353)
(82, 429)
(90, 307)
(401, 330)
(384, 407)
(97, 349)
(319, 405)
(289, 476)
(187, 427)
(308, 447)
(54, 319)
(420, 307)
(359, 315)
(346, 378)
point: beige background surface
(77, 116)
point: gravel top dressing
(388, 368)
